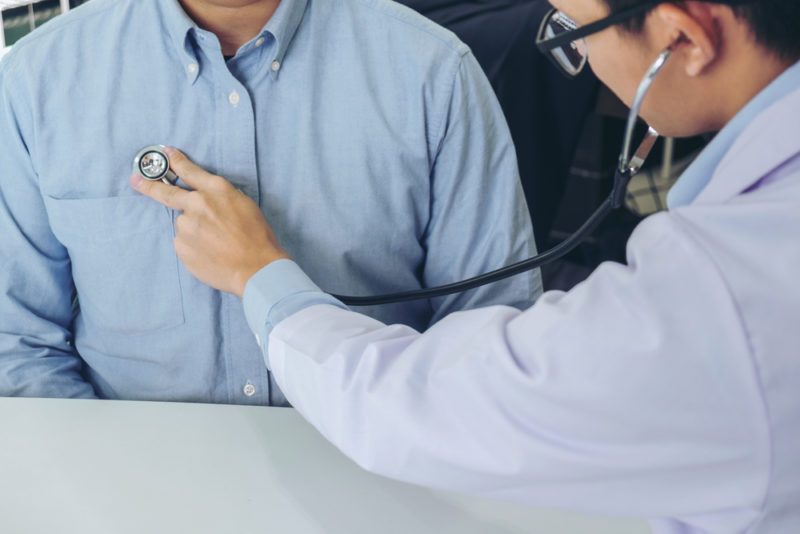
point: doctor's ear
(696, 30)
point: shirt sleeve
(479, 218)
(614, 398)
(277, 292)
(37, 358)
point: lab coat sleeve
(37, 358)
(633, 394)
(479, 219)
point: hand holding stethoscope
(221, 235)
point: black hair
(774, 23)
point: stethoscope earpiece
(152, 163)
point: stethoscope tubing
(628, 167)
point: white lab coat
(667, 389)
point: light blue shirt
(369, 136)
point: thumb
(168, 195)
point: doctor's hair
(774, 23)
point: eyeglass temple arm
(594, 27)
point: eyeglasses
(563, 40)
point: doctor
(666, 388)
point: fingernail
(135, 180)
(170, 150)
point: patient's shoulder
(398, 24)
(93, 24)
(63, 26)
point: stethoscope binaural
(152, 163)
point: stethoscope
(153, 164)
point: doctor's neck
(234, 22)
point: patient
(368, 134)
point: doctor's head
(724, 53)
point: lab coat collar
(767, 143)
(701, 181)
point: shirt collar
(697, 177)
(177, 24)
(282, 26)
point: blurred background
(21, 17)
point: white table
(92, 467)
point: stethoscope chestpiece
(152, 163)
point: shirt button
(249, 390)
(276, 66)
(260, 41)
(258, 340)
(191, 68)
(233, 98)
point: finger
(168, 195)
(192, 174)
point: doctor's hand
(221, 237)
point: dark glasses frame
(547, 45)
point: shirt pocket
(124, 264)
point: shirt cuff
(277, 292)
